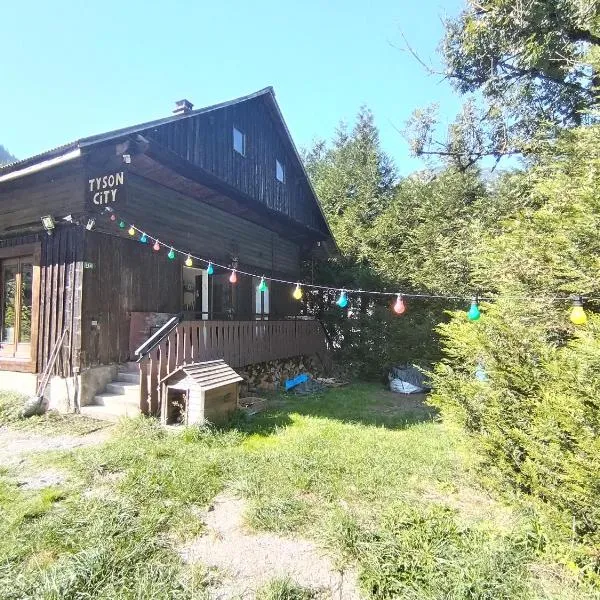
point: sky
(72, 69)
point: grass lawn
(375, 479)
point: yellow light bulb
(297, 292)
(578, 316)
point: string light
(262, 286)
(474, 314)
(399, 307)
(342, 301)
(188, 261)
(131, 231)
(578, 316)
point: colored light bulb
(122, 224)
(233, 277)
(399, 307)
(210, 269)
(342, 301)
(131, 230)
(171, 254)
(188, 261)
(262, 286)
(113, 217)
(144, 238)
(156, 246)
(297, 292)
(578, 316)
(474, 314)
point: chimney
(183, 107)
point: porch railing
(239, 343)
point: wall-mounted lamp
(48, 224)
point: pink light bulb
(399, 307)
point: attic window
(279, 171)
(239, 141)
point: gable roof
(100, 138)
(74, 149)
(208, 375)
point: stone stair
(120, 398)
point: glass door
(16, 308)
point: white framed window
(279, 171)
(239, 141)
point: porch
(180, 342)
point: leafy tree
(5, 156)
(354, 180)
(534, 65)
(535, 412)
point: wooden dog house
(200, 392)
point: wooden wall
(57, 191)
(206, 230)
(207, 141)
(125, 276)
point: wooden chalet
(223, 182)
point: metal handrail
(157, 337)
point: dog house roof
(208, 375)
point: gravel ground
(246, 561)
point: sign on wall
(106, 190)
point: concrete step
(103, 413)
(128, 376)
(123, 387)
(118, 403)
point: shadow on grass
(363, 403)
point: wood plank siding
(124, 276)
(207, 231)
(57, 274)
(206, 140)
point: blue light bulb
(473, 314)
(342, 301)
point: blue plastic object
(291, 383)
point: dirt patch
(247, 561)
(15, 445)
